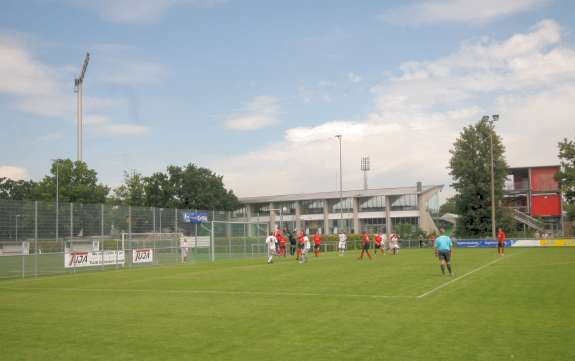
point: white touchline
(460, 277)
(197, 291)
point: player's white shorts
(341, 245)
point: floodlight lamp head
(495, 117)
(485, 118)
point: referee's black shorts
(444, 254)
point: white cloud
(46, 91)
(259, 113)
(528, 78)
(15, 173)
(132, 11)
(459, 11)
(131, 72)
(354, 78)
(103, 125)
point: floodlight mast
(78, 82)
(365, 169)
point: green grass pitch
(517, 307)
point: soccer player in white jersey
(271, 245)
(306, 248)
(342, 243)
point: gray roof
(335, 194)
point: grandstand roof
(335, 194)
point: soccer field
(516, 307)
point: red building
(535, 197)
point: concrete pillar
(249, 218)
(388, 225)
(325, 217)
(355, 219)
(298, 222)
(272, 217)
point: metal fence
(39, 238)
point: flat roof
(335, 194)
(534, 166)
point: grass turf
(517, 307)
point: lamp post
(17, 216)
(161, 210)
(494, 118)
(57, 197)
(281, 215)
(340, 183)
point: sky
(257, 90)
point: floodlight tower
(78, 82)
(365, 168)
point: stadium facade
(371, 210)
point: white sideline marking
(460, 277)
(248, 293)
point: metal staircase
(528, 220)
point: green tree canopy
(190, 187)
(16, 189)
(470, 167)
(566, 176)
(76, 183)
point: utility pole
(78, 83)
(494, 118)
(340, 183)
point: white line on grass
(183, 291)
(460, 277)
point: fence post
(175, 220)
(71, 232)
(213, 243)
(130, 220)
(36, 238)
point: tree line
(188, 187)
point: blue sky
(256, 90)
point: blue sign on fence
(481, 243)
(195, 217)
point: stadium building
(535, 197)
(380, 209)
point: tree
(132, 192)
(76, 183)
(566, 176)
(16, 189)
(448, 207)
(190, 187)
(470, 167)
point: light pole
(17, 216)
(494, 118)
(78, 83)
(281, 215)
(340, 183)
(161, 210)
(57, 197)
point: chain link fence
(40, 238)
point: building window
(343, 206)
(312, 207)
(372, 225)
(405, 202)
(372, 204)
(261, 210)
(286, 207)
(336, 225)
(240, 213)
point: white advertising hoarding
(143, 255)
(93, 258)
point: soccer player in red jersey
(378, 245)
(365, 246)
(316, 243)
(282, 242)
(500, 242)
(300, 245)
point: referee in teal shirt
(443, 245)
